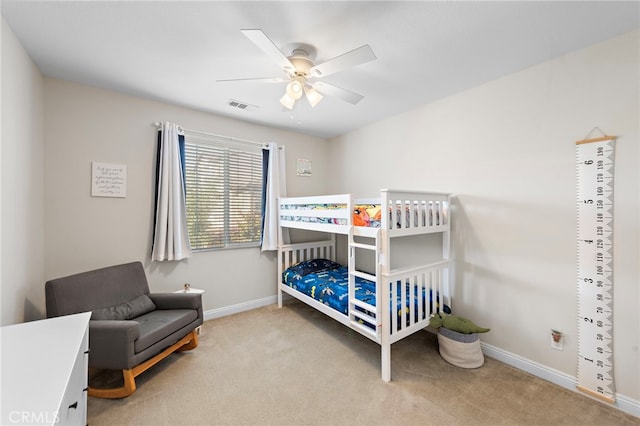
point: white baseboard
(623, 403)
(240, 307)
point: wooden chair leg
(127, 388)
(193, 343)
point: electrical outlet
(556, 341)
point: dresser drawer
(73, 410)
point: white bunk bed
(406, 213)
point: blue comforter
(327, 282)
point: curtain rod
(158, 125)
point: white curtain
(171, 238)
(276, 187)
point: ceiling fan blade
(265, 44)
(347, 60)
(257, 80)
(338, 92)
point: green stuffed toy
(455, 323)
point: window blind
(223, 194)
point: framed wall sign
(108, 180)
(303, 167)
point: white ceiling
(175, 51)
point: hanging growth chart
(595, 167)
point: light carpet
(296, 366)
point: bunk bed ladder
(363, 316)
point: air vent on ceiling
(241, 105)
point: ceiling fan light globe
(294, 89)
(287, 101)
(313, 96)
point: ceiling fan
(302, 74)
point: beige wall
(506, 150)
(22, 222)
(85, 124)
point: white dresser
(44, 371)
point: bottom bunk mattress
(328, 282)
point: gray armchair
(130, 329)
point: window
(223, 194)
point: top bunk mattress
(406, 212)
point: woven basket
(461, 350)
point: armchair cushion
(126, 310)
(156, 325)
